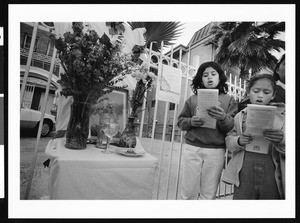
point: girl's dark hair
(275, 74)
(197, 81)
(255, 78)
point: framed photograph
(112, 107)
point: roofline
(190, 42)
(177, 48)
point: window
(27, 42)
(172, 106)
(50, 49)
(153, 103)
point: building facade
(39, 67)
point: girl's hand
(244, 139)
(216, 112)
(196, 121)
(274, 135)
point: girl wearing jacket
(204, 151)
(256, 175)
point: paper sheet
(207, 98)
(259, 118)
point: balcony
(40, 60)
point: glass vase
(78, 127)
(128, 136)
(101, 142)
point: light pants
(202, 169)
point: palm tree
(247, 45)
(159, 31)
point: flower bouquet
(91, 65)
(145, 80)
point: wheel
(46, 128)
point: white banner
(169, 84)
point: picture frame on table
(112, 107)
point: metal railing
(39, 60)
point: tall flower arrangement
(145, 80)
(91, 65)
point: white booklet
(207, 98)
(259, 118)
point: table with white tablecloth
(92, 174)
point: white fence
(235, 88)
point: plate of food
(129, 152)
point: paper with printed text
(206, 99)
(259, 118)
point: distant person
(204, 151)
(63, 113)
(279, 75)
(62, 116)
(257, 176)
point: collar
(281, 84)
(280, 107)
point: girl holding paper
(279, 75)
(204, 151)
(256, 175)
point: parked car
(30, 119)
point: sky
(189, 29)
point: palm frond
(159, 31)
(272, 28)
(241, 43)
(241, 29)
(247, 44)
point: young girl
(204, 152)
(256, 175)
(279, 75)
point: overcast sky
(189, 28)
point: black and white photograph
(130, 111)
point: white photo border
(146, 209)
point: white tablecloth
(91, 174)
